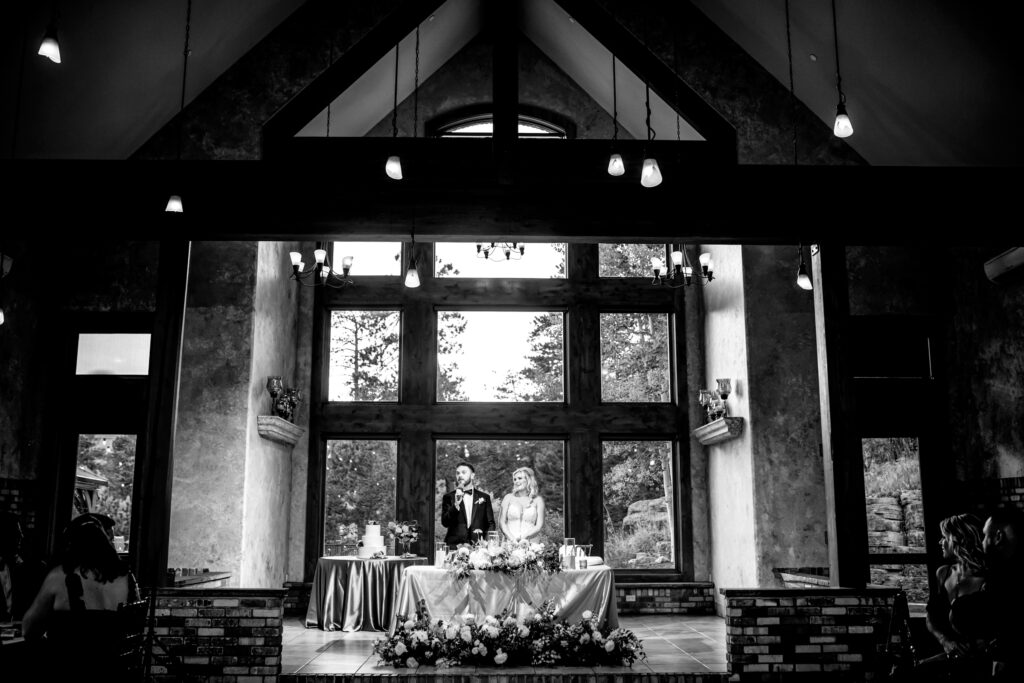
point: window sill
(722, 429)
(278, 429)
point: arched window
(478, 122)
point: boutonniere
(479, 500)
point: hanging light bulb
(394, 168)
(1, 316)
(615, 165)
(650, 176)
(803, 280)
(174, 204)
(50, 48)
(412, 276)
(843, 128)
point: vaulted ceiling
(928, 83)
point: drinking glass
(440, 553)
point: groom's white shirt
(467, 505)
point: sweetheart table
(350, 594)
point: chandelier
(500, 251)
(682, 273)
(320, 272)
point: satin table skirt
(350, 594)
(484, 593)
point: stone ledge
(722, 429)
(278, 429)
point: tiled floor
(674, 644)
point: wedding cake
(372, 542)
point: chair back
(132, 620)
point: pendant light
(650, 174)
(174, 203)
(393, 167)
(843, 127)
(412, 275)
(615, 165)
(50, 47)
(803, 280)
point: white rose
(408, 625)
(451, 633)
(467, 635)
(588, 615)
(491, 631)
(419, 635)
(400, 649)
(411, 663)
(500, 658)
(483, 650)
(584, 639)
(509, 621)
(609, 646)
(524, 632)
(470, 618)
(490, 620)
(598, 637)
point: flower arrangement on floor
(537, 640)
(507, 558)
(404, 533)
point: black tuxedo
(455, 519)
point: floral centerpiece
(404, 533)
(507, 558)
(504, 640)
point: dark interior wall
(982, 343)
(225, 120)
(465, 80)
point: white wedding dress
(521, 520)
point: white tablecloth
(484, 593)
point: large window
(359, 485)
(495, 461)
(364, 356)
(638, 504)
(551, 362)
(500, 356)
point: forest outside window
(364, 356)
(359, 485)
(635, 365)
(639, 520)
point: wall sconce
(713, 402)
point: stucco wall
(785, 423)
(730, 469)
(268, 465)
(212, 427)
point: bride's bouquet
(508, 558)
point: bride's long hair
(531, 481)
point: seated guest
(19, 578)
(1001, 541)
(958, 612)
(76, 607)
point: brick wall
(665, 598)
(777, 631)
(224, 634)
(986, 494)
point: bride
(522, 511)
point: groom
(465, 509)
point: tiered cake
(372, 542)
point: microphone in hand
(458, 496)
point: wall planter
(722, 429)
(278, 429)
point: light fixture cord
(330, 63)
(615, 104)
(792, 92)
(416, 88)
(675, 72)
(394, 109)
(835, 41)
(184, 72)
(650, 131)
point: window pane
(628, 260)
(104, 480)
(495, 461)
(364, 356)
(369, 258)
(500, 356)
(912, 578)
(113, 354)
(461, 259)
(638, 522)
(892, 488)
(359, 486)
(634, 358)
